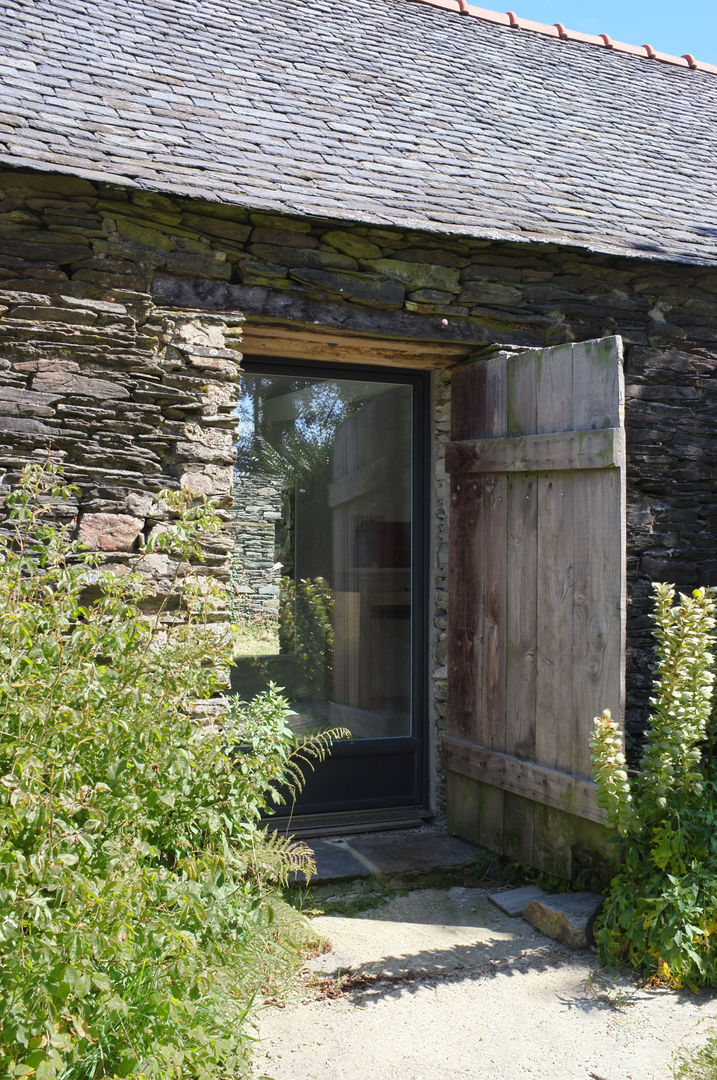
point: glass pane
(322, 560)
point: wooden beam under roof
(326, 345)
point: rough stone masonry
(121, 321)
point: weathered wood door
(537, 594)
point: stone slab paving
(512, 901)
(390, 854)
(438, 984)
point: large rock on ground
(565, 917)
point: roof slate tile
(399, 112)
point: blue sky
(673, 26)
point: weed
(660, 914)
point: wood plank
(490, 730)
(599, 531)
(598, 384)
(466, 573)
(555, 581)
(599, 448)
(521, 630)
(336, 346)
(554, 389)
(598, 608)
(518, 828)
(469, 390)
(521, 616)
(555, 594)
(552, 787)
(466, 586)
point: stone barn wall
(120, 336)
(257, 508)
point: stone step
(513, 901)
(565, 917)
(389, 854)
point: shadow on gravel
(409, 973)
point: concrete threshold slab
(389, 854)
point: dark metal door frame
(380, 811)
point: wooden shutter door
(537, 595)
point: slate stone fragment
(565, 917)
(361, 288)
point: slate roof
(380, 111)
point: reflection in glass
(322, 560)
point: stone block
(334, 862)
(144, 235)
(293, 256)
(282, 237)
(233, 231)
(417, 275)
(358, 247)
(184, 262)
(109, 532)
(59, 381)
(513, 901)
(565, 917)
(361, 288)
(490, 293)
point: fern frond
(308, 751)
(277, 857)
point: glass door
(329, 570)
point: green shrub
(138, 916)
(661, 910)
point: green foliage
(698, 1064)
(306, 628)
(138, 910)
(661, 910)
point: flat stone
(350, 244)
(233, 231)
(417, 275)
(336, 862)
(512, 901)
(565, 917)
(391, 853)
(109, 532)
(311, 258)
(361, 288)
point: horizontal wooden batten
(596, 448)
(508, 773)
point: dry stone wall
(106, 290)
(255, 571)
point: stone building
(409, 223)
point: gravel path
(440, 985)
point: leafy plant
(661, 910)
(138, 907)
(306, 628)
(698, 1064)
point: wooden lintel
(596, 448)
(322, 344)
(537, 782)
